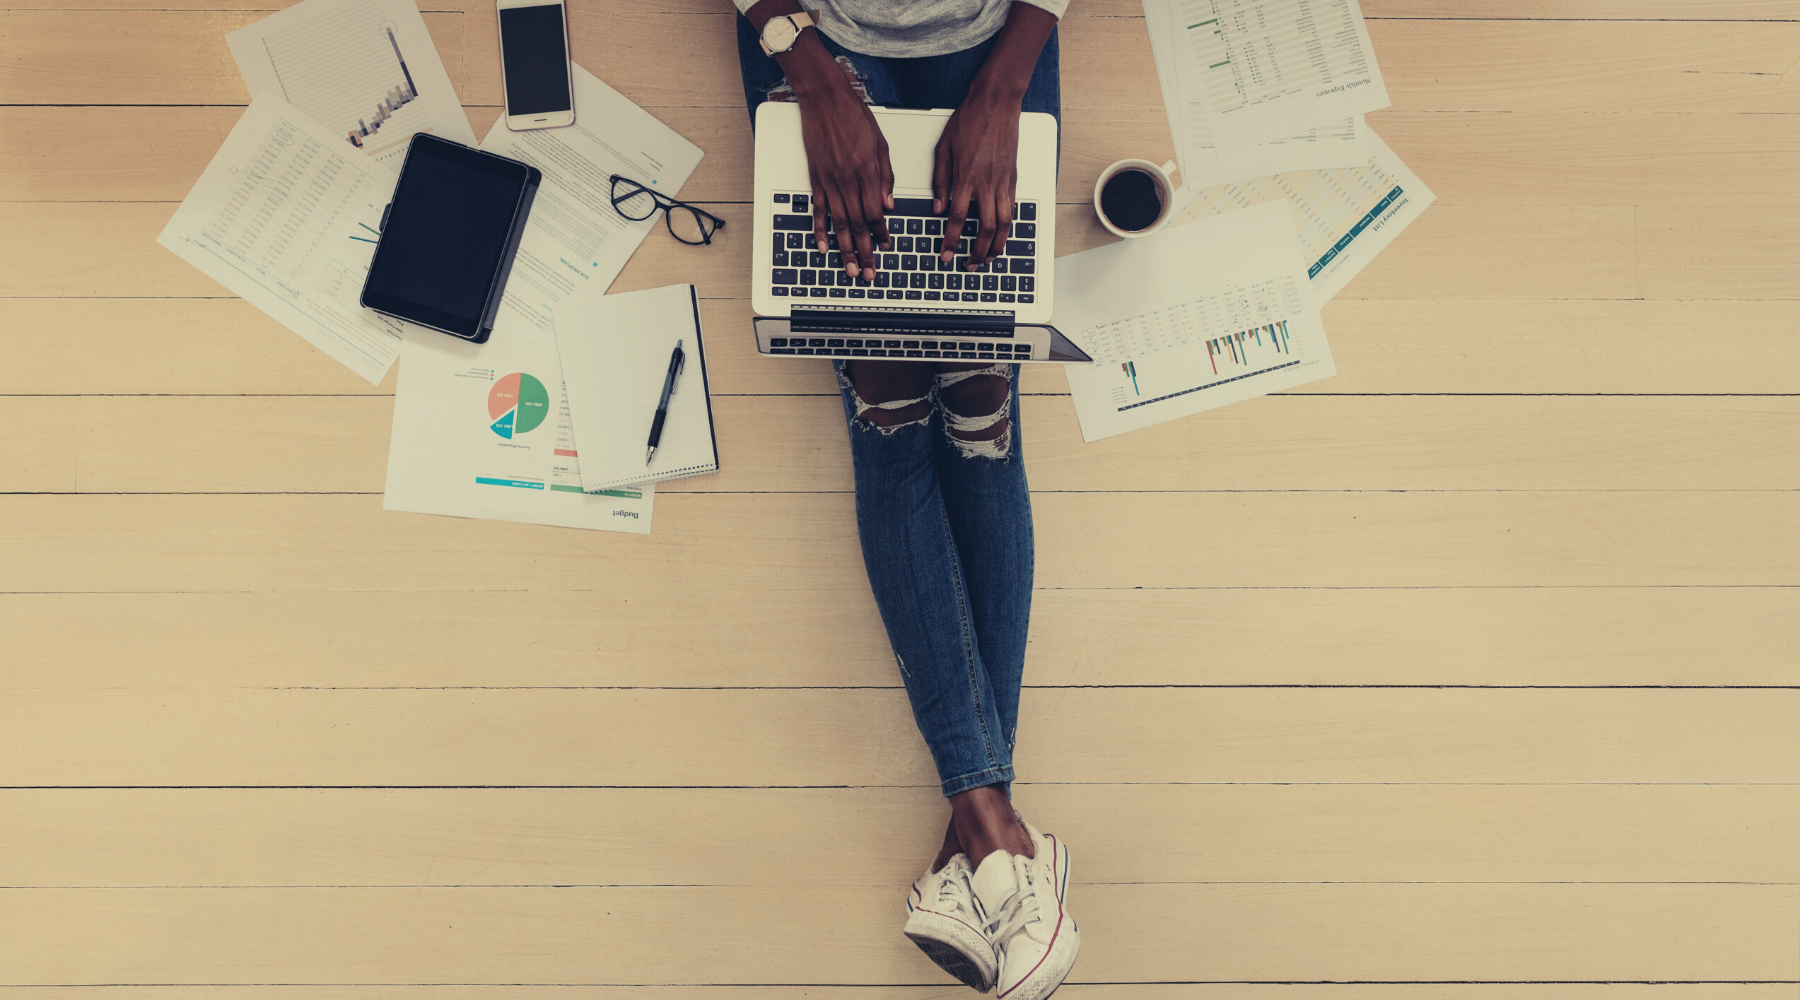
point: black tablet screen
(452, 214)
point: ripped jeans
(941, 501)
(944, 514)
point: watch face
(779, 34)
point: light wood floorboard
(1469, 674)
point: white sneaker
(942, 921)
(1021, 901)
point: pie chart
(517, 404)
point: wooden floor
(1471, 673)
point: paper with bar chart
(285, 216)
(1195, 317)
(365, 69)
(1264, 70)
(1343, 218)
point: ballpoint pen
(677, 361)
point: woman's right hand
(852, 180)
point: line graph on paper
(346, 70)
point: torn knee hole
(897, 414)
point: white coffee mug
(1165, 193)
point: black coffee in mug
(1131, 199)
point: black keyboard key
(857, 343)
(1006, 297)
(999, 265)
(934, 227)
(816, 342)
(927, 262)
(815, 259)
(1028, 211)
(1024, 231)
(842, 352)
(1021, 248)
(888, 343)
(781, 199)
(962, 245)
(808, 278)
(915, 354)
(931, 354)
(915, 296)
(932, 296)
(895, 293)
(910, 343)
(859, 353)
(934, 280)
(1009, 284)
(983, 268)
(780, 242)
(903, 244)
(990, 283)
(857, 293)
(835, 342)
(896, 226)
(1027, 284)
(908, 262)
(913, 206)
(796, 241)
(970, 296)
(881, 279)
(793, 222)
(918, 279)
(953, 280)
(802, 350)
(781, 350)
(1027, 299)
(779, 259)
(915, 226)
(784, 276)
(1024, 265)
(987, 296)
(778, 290)
(838, 293)
(833, 259)
(819, 293)
(802, 204)
(891, 261)
(966, 345)
(984, 347)
(986, 354)
(968, 354)
(970, 227)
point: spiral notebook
(615, 354)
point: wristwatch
(780, 33)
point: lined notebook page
(615, 353)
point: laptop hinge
(902, 320)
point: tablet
(448, 237)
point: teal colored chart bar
(524, 484)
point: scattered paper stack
(1265, 100)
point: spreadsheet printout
(286, 217)
(1337, 144)
(1193, 318)
(367, 70)
(1265, 69)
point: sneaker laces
(1019, 911)
(948, 894)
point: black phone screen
(445, 235)
(536, 61)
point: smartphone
(534, 64)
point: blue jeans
(945, 526)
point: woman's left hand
(978, 158)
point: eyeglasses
(686, 223)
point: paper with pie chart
(483, 430)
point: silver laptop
(913, 309)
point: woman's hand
(852, 180)
(978, 157)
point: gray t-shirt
(903, 30)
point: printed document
(1263, 70)
(469, 440)
(1337, 144)
(365, 69)
(1343, 217)
(1193, 318)
(286, 217)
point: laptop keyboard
(971, 350)
(912, 271)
